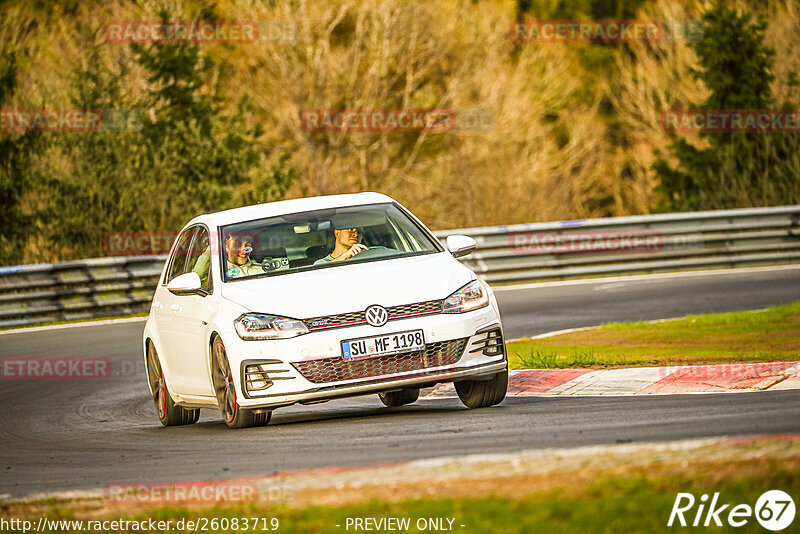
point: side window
(177, 265)
(200, 258)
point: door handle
(175, 307)
(157, 306)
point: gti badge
(377, 315)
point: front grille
(336, 369)
(430, 306)
(334, 321)
(356, 318)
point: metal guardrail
(638, 244)
(35, 294)
(84, 289)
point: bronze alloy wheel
(223, 382)
(169, 413)
(225, 390)
(158, 386)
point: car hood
(348, 288)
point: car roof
(282, 207)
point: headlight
(470, 297)
(254, 326)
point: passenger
(203, 267)
(347, 245)
(202, 264)
(238, 262)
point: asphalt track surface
(62, 435)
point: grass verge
(755, 336)
(639, 503)
(597, 489)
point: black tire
(167, 411)
(233, 415)
(400, 397)
(483, 393)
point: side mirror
(185, 284)
(460, 245)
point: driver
(238, 262)
(347, 245)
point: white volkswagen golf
(314, 299)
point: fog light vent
(490, 345)
(256, 377)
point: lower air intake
(336, 369)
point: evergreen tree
(159, 159)
(206, 159)
(734, 169)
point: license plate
(367, 347)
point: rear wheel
(167, 411)
(483, 393)
(233, 415)
(399, 397)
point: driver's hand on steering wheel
(352, 251)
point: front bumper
(456, 349)
(325, 393)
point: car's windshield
(320, 239)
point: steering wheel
(377, 251)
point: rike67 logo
(774, 510)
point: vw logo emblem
(377, 315)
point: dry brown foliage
(572, 137)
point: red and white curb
(649, 380)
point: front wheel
(483, 393)
(233, 415)
(167, 411)
(400, 397)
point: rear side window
(177, 261)
(200, 258)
